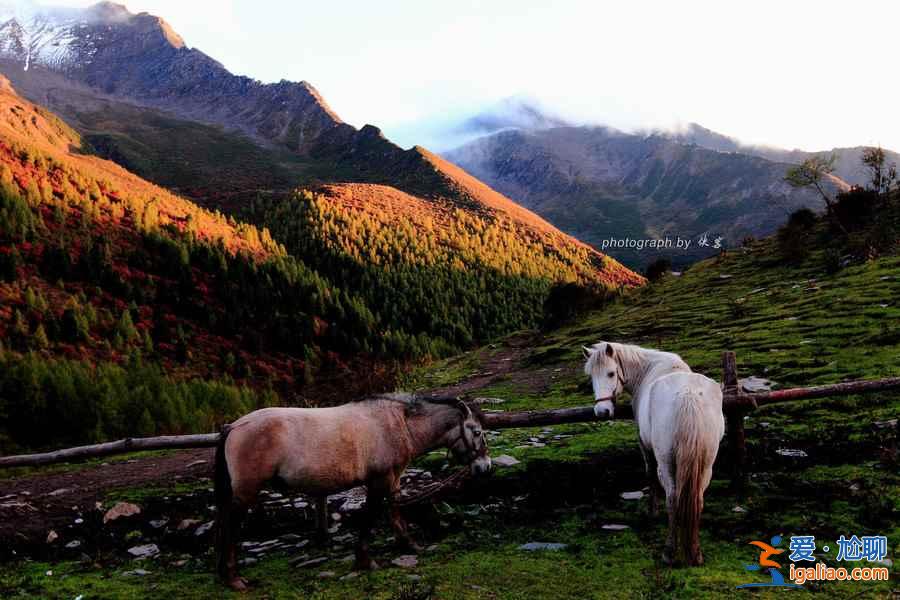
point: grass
(565, 491)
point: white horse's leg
(665, 470)
(656, 489)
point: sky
(796, 73)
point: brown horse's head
(468, 442)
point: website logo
(767, 550)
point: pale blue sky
(778, 72)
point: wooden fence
(737, 404)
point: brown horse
(320, 451)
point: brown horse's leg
(370, 511)
(398, 523)
(227, 543)
(322, 520)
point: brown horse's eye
(477, 432)
(611, 373)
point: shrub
(657, 269)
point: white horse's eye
(477, 432)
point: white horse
(680, 424)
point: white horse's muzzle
(604, 409)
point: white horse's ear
(587, 351)
(609, 350)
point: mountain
(848, 165)
(143, 98)
(598, 184)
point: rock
(120, 510)
(505, 460)
(489, 400)
(136, 572)
(79, 521)
(538, 444)
(632, 495)
(756, 384)
(350, 575)
(203, 529)
(307, 563)
(52, 536)
(738, 509)
(533, 546)
(326, 574)
(854, 487)
(725, 276)
(431, 548)
(247, 561)
(144, 551)
(407, 561)
(187, 523)
(73, 544)
(791, 453)
(615, 527)
(60, 492)
(195, 463)
(158, 523)
(414, 577)
(291, 538)
(180, 563)
(890, 423)
(341, 539)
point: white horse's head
(606, 375)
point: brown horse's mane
(414, 404)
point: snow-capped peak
(35, 34)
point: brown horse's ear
(609, 350)
(465, 408)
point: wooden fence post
(737, 441)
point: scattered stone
(533, 546)
(505, 460)
(414, 577)
(195, 463)
(73, 544)
(144, 551)
(431, 548)
(159, 523)
(886, 424)
(725, 276)
(406, 561)
(756, 384)
(854, 487)
(615, 527)
(247, 561)
(538, 444)
(187, 523)
(738, 509)
(350, 575)
(203, 529)
(135, 572)
(290, 537)
(79, 521)
(336, 516)
(120, 510)
(341, 539)
(302, 564)
(632, 495)
(52, 536)
(326, 574)
(489, 400)
(180, 563)
(884, 305)
(60, 492)
(791, 453)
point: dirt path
(33, 504)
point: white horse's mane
(635, 360)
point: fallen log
(200, 440)
(555, 416)
(756, 399)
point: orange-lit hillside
(44, 157)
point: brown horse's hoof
(238, 584)
(697, 561)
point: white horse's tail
(695, 450)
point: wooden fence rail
(735, 406)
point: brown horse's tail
(224, 506)
(691, 461)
